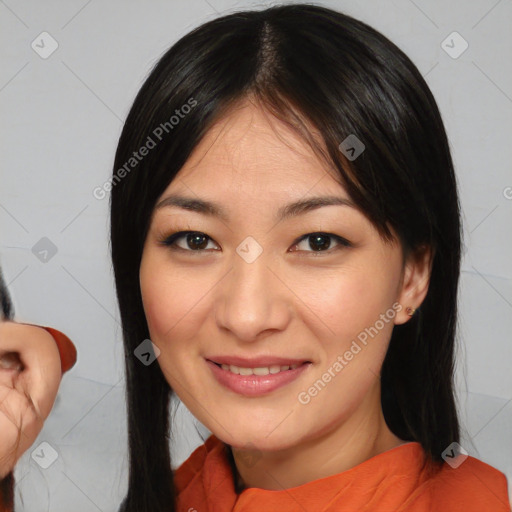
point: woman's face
(271, 278)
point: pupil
(197, 241)
(319, 242)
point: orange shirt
(393, 481)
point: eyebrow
(215, 210)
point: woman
(32, 362)
(285, 229)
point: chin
(255, 436)
(262, 444)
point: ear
(415, 282)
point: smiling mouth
(259, 371)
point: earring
(410, 311)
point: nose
(251, 301)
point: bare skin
(292, 301)
(30, 374)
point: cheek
(347, 301)
(161, 306)
(165, 304)
(175, 306)
(166, 294)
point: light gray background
(61, 118)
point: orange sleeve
(66, 348)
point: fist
(32, 362)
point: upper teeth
(265, 370)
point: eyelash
(170, 242)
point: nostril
(11, 361)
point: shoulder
(473, 484)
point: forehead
(249, 148)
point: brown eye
(321, 242)
(191, 241)
(197, 241)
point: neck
(362, 436)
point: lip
(256, 385)
(256, 362)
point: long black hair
(308, 66)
